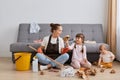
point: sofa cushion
(22, 47)
(94, 47)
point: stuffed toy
(91, 72)
(66, 38)
(81, 74)
(85, 72)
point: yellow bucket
(22, 61)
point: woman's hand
(39, 50)
(65, 50)
(85, 60)
(112, 58)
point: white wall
(13, 12)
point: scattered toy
(85, 72)
(41, 73)
(102, 70)
(112, 71)
(95, 63)
(67, 71)
(91, 72)
(81, 74)
(53, 70)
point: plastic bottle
(35, 64)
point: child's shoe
(43, 67)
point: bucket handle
(17, 58)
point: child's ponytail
(82, 49)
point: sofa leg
(13, 59)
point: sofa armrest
(22, 47)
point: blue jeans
(44, 60)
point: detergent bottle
(35, 64)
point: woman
(53, 46)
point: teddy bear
(66, 38)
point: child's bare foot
(101, 66)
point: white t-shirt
(107, 57)
(53, 41)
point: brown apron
(52, 50)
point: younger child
(106, 57)
(79, 57)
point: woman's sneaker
(43, 67)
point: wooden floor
(8, 72)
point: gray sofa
(92, 32)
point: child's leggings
(78, 64)
(44, 60)
(106, 65)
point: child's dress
(78, 58)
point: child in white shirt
(106, 57)
(79, 57)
